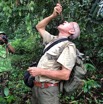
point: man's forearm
(62, 74)
(10, 48)
(56, 74)
(43, 23)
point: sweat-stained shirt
(63, 53)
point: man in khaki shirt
(57, 63)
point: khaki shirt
(63, 53)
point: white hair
(77, 31)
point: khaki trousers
(48, 95)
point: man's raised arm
(43, 23)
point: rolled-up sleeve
(47, 37)
(68, 57)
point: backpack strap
(54, 43)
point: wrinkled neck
(63, 34)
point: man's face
(66, 26)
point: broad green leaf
(6, 91)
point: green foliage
(2, 100)
(89, 67)
(18, 19)
(89, 85)
(27, 51)
(6, 91)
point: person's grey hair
(77, 30)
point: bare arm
(10, 48)
(54, 74)
(43, 23)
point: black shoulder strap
(54, 43)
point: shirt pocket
(51, 57)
